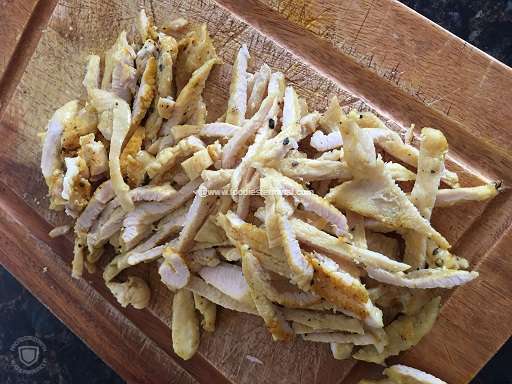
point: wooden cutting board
(373, 54)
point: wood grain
(14, 16)
(320, 46)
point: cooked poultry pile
(273, 210)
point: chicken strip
(185, 325)
(451, 197)
(121, 126)
(403, 333)
(188, 96)
(237, 102)
(423, 278)
(258, 89)
(430, 167)
(343, 290)
(146, 92)
(340, 250)
(272, 315)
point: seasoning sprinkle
(271, 123)
(286, 141)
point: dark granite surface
(64, 358)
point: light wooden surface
(321, 46)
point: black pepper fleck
(286, 141)
(295, 163)
(271, 123)
(360, 116)
(160, 67)
(432, 171)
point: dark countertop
(486, 24)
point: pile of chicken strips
(274, 210)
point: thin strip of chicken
(276, 87)
(456, 196)
(92, 73)
(309, 200)
(258, 89)
(338, 249)
(323, 320)
(120, 128)
(392, 143)
(433, 148)
(343, 290)
(146, 92)
(199, 286)
(403, 333)
(188, 96)
(231, 150)
(272, 315)
(237, 102)
(423, 278)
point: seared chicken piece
(258, 89)
(310, 201)
(341, 251)
(147, 213)
(51, 162)
(423, 278)
(227, 278)
(120, 75)
(208, 310)
(174, 271)
(231, 151)
(450, 197)
(185, 325)
(200, 258)
(146, 92)
(433, 148)
(197, 163)
(200, 208)
(403, 333)
(322, 142)
(132, 147)
(343, 290)
(83, 123)
(131, 236)
(94, 154)
(165, 106)
(76, 189)
(276, 87)
(188, 96)
(194, 51)
(197, 285)
(403, 374)
(121, 126)
(323, 320)
(92, 73)
(175, 25)
(237, 103)
(314, 170)
(168, 157)
(392, 143)
(137, 167)
(272, 315)
(102, 195)
(134, 291)
(239, 232)
(149, 50)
